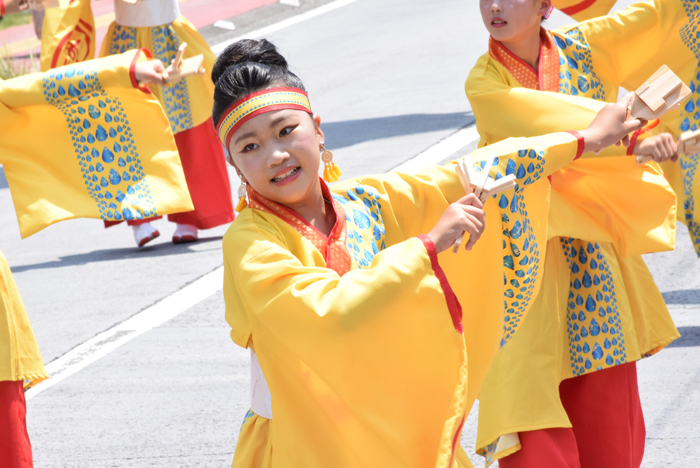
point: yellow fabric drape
(599, 306)
(582, 10)
(367, 369)
(82, 141)
(67, 34)
(188, 102)
(631, 45)
(20, 358)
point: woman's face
(509, 20)
(277, 153)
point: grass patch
(12, 67)
(16, 19)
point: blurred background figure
(157, 26)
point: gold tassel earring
(331, 171)
(242, 203)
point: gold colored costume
(369, 357)
(599, 306)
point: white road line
(101, 345)
(439, 151)
(218, 48)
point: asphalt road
(387, 78)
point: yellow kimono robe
(599, 306)
(369, 358)
(20, 359)
(74, 144)
(85, 141)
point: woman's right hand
(465, 216)
(610, 126)
(151, 72)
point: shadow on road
(3, 179)
(352, 132)
(690, 338)
(684, 296)
(107, 255)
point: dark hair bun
(248, 50)
(245, 67)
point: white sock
(185, 230)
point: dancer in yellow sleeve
(117, 158)
(599, 310)
(67, 107)
(359, 344)
(158, 26)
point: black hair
(245, 67)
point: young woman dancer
(157, 26)
(47, 186)
(599, 311)
(358, 341)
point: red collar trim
(544, 79)
(333, 248)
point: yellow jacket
(359, 335)
(598, 306)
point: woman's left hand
(660, 147)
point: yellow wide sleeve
(635, 210)
(20, 358)
(366, 369)
(628, 46)
(497, 280)
(84, 141)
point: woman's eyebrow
(243, 136)
(279, 119)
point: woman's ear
(319, 133)
(545, 8)
(229, 159)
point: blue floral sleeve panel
(689, 121)
(522, 248)
(594, 328)
(103, 142)
(364, 223)
(385, 210)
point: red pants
(608, 425)
(15, 449)
(204, 165)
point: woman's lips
(289, 179)
(499, 23)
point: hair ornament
(267, 100)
